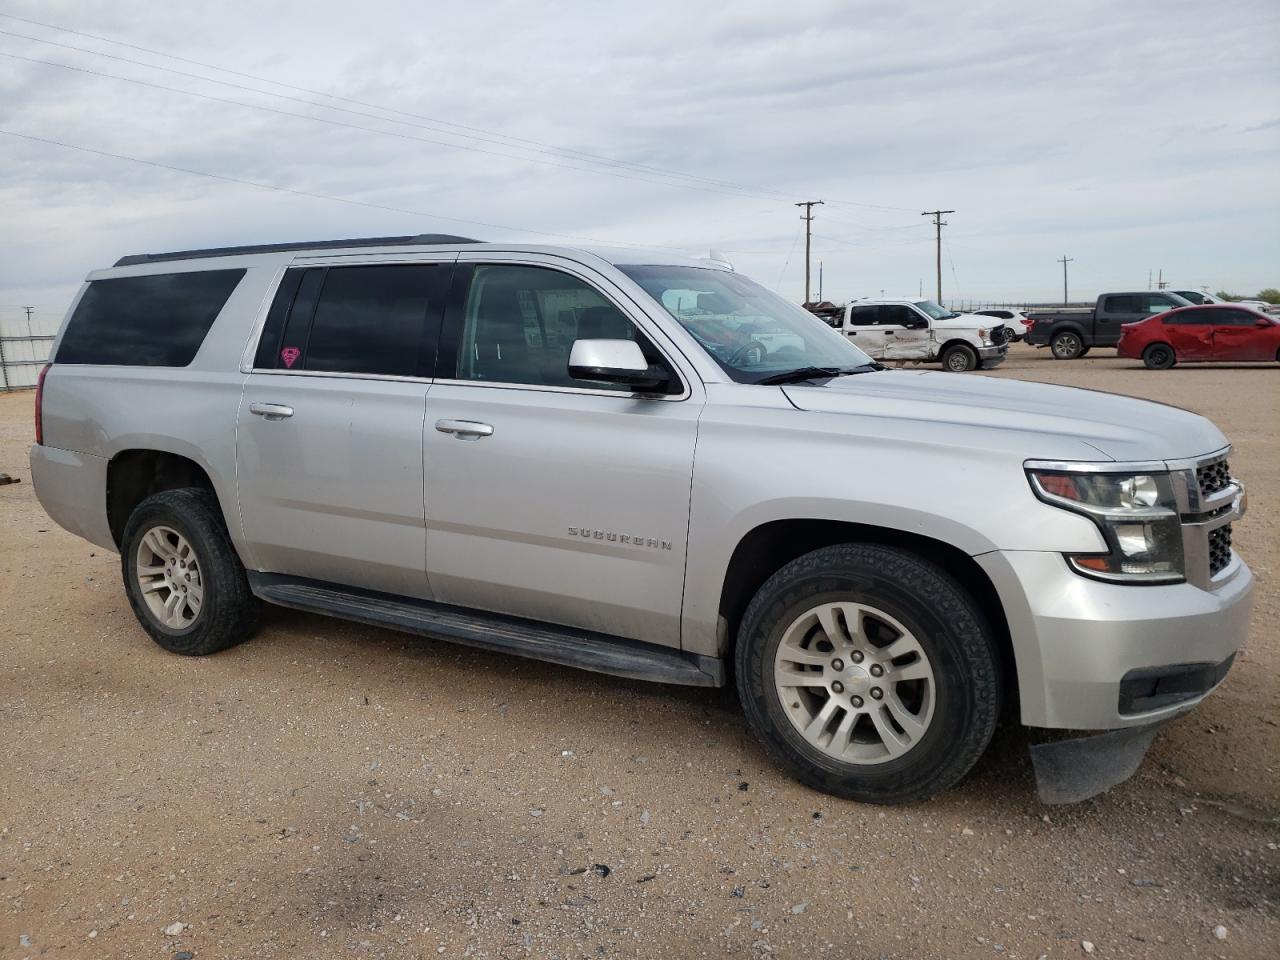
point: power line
(322, 196)
(506, 139)
(471, 132)
(355, 126)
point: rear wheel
(959, 358)
(1066, 345)
(182, 576)
(868, 673)
(1159, 356)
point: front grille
(1213, 477)
(1219, 549)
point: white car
(1015, 322)
(1199, 298)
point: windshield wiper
(800, 374)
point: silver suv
(650, 467)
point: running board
(566, 646)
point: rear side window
(1124, 303)
(158, 320)
(360, 319)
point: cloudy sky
(1130, 137)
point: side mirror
(1263, 322)
(615, 361)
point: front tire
(869, 673)
(1159, 356)
(1066, 345)
(959, 358)
(184, 581)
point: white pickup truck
(904, 329)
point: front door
(1237, 336)
(329, 430)
(548, 497)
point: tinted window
(369, 320)
(269, 342)
(1186, 318)
(519, 324)
(1126, 303)
(154, 321)
(896, 315)
(1192, 296)
(1234, 318)
(864, 316)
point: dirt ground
(334, 790)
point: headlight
(1136, 514)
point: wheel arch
(768, 547)
(136, 473)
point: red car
(1194, 334)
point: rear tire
(184, 581)
(1066, 345)
(959, 358)
(835, 706)
(1159, 356)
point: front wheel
(868, 673)
(182, 576)
(959, 358)
(1066, 345)
(1159, 356)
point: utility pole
(819, 279)
(938, 224)
(29, 309)
(1160, 284)
(1064, 261)
(807, 217)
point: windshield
(754, 335)
(934, 311)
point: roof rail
(421, 239)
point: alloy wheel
(168, 573)
(855, 682)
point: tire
(1159, 356)
(178, 541)
(959, 358)
(1066, 345)
(895, 596)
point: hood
(968, 321)
(1054, 422)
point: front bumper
(993, 355)
(1104, 656)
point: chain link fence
(24, 349)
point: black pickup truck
(1070, 333)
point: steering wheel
(752, 353)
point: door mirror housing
(615, 361)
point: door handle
(465, 429)
(271, 411)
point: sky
(1130, 137)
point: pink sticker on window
(289, 355)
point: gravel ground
(334, 790)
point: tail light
(40, 403)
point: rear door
(1113, 313)
(329, 429)
(1237, 336)
(1190, 333)
(864, 329)
(549, 497)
